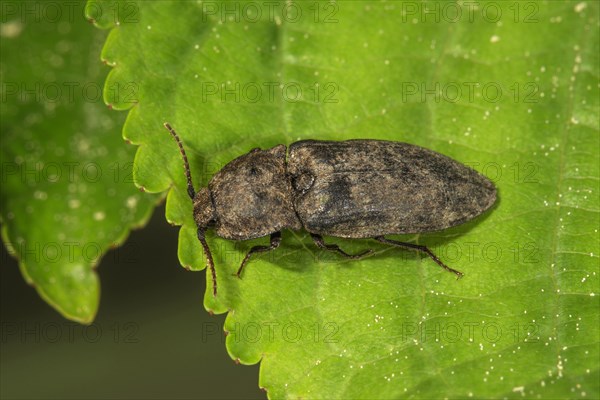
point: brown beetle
(349, 189)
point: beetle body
(348, 189)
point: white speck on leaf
(132, 202)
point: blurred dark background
(152, 337)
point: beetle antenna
(209, 259)
(186, 164)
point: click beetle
(356, 189)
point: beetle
(355, 189)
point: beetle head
(204, 210)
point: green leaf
(512, 93)
(67, 192)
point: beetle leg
(275, 242)
(423, 249)
(318, 239)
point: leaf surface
(67, 188)
(513, 94)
